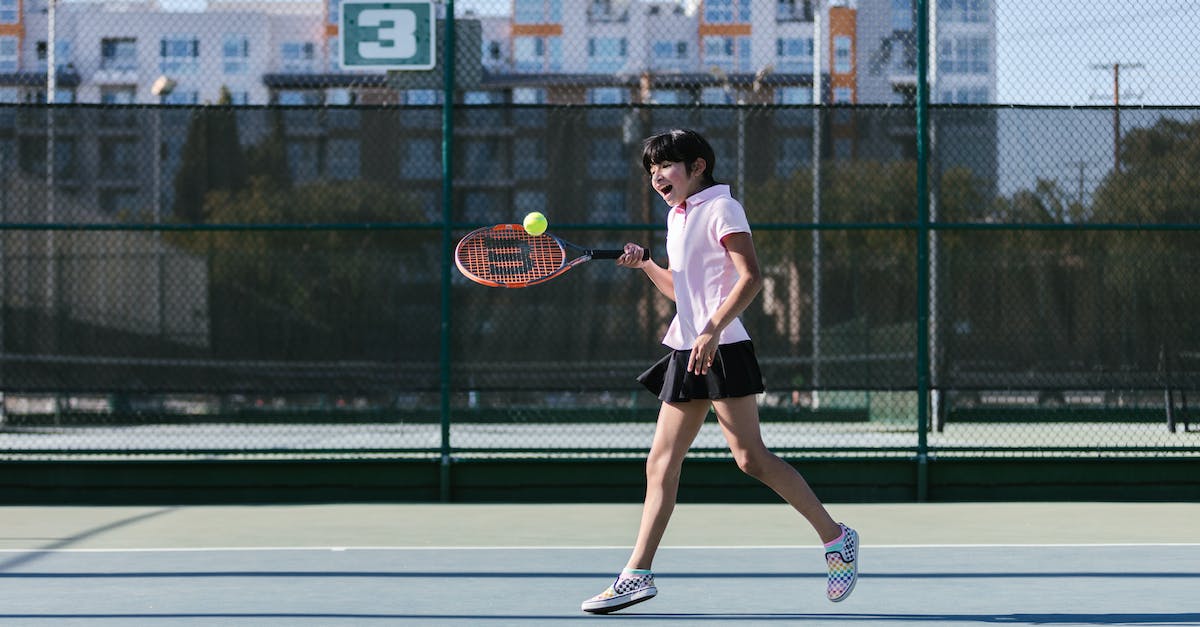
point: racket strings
(510, 256)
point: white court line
(595, 548)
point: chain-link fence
(227, 237)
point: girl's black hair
(680, 145)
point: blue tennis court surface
(910, 585)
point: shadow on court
(965, 619)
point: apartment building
(662, 52)
(598, 51)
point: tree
(212, 159)
(324, 293)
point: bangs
(679, 146)
(660, 149)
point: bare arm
(660, 276)
(740, 247)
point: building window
(965, 11)
(484, 207)
(528, 95)
(493, 52)
(666, 97)
(668, 55)
(843, 95)
(118, 94)
(32, 156)
(422, 159)
(794, 55)
(9, 46)
(537, 54)
(529, 160)
(61, 96)
(119, 159)
(793, 95)
(903, 15)
(607, 54)
(483, 160)
(793, 153)
(118, 54)
(964, 55)
(235, 54)
(303, 159)
(422, 97)
(608, 205)
(335, 12)
(606, 95)
(62, 54)
(537, 12)
(716, 95)
(343, 162)
(297, 56)
(298, 97)
(731, 54)
(965, 95)
(119, 202)
(727, 11)
(794, 10)
(181, 97)
(530, 200)
(9, 13)
(179, 55)
(843, 61)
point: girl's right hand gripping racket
(506, 256)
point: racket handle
(615, 253)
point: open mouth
(666, 189)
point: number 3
(400, 38)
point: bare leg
(678, 424)
(738, 418)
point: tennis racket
(506, 256)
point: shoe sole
(857, 563)
(634, 599)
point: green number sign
(387, 35)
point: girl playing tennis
(712, 276)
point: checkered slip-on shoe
(841, 556)
(630, 587)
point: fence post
(444, 480)
(922, 23)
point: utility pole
(1081, 165)
(1116, 97)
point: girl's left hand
(704, 350)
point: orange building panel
(843, 22)
(725, 30)
(537, 30)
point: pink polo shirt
(703, 273)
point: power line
(1116, 68)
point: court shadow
(1168, 618)
(31, 555)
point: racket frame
(517, 233)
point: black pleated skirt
(734, 373)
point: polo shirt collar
(706, 194)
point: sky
(1046, 49)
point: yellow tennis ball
(535, 223)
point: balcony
(603, 12)
(794, 11)
(116, 75)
